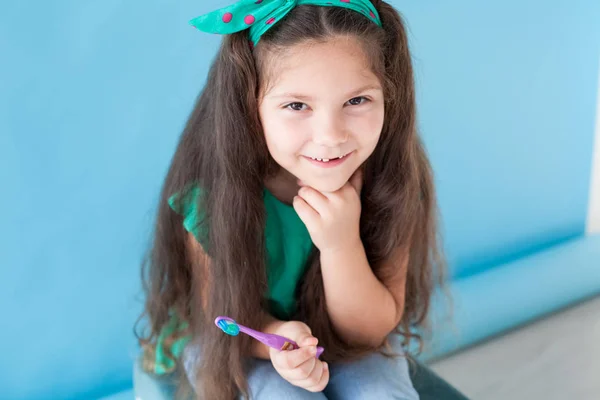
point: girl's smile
(328, 162)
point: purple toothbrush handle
(275, 341)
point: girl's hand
(300, 367)
(332, 219)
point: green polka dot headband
(260, 15)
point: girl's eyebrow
(309, 98)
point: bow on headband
(260, 15)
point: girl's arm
(196, 252)
(362, 308)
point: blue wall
(507, 95)
(93, 96)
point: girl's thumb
(308, 340)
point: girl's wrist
(350, 247)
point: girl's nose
(330, 131)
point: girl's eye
(354, 101)
(295, 106)
(357, 101)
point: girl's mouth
(328, 162)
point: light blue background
(507, 96)
(93, 96)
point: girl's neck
(284, 186)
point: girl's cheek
(294, 136)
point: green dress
(288, 248)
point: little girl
(299, 202)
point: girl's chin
(324, 186)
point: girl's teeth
(327, 159)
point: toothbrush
(232, 328)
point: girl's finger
(303, 371)
(314, 198)
(322, 381)
(290, 359)
(307, 340)
(307, 214)
(314, 382)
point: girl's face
(323, 112)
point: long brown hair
(222, 148)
